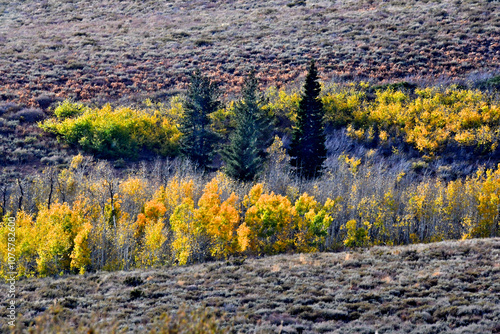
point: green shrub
(492, 83)
(402, 86)
(68, 109)
(114, 133)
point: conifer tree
(198, 141)
(246, 152)
(307, 150)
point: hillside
(447, 287)
(106, 50)
(125, 52)
(119, 164)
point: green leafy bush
(114, 133)
(492, 83)
(68, 109)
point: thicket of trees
(115, 133)
(125, 132)
(431, 121)
(87, 218)
(270, 198)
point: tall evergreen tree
(246, 152)
(198, 141)
(307, 150)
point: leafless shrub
(44, 101)
(28, 115)
(9, 107)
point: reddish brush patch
(150, 49)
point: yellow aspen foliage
(20, 232)
(311, 223)
(414, 238)
(223, 228)
(154, 239)
(172, 195)
(56, 230)
(368, 211)
(173, 110)
(76, 161)
(270, 220)
(419, 211)
(351, 163)
(383, 136)
(182, 246)
(54, 243)
(119, 244)
(222, 120)
(390, 96)
(350, 130)
(219, 220)
(437, 213)
(358, 134)
(292, 193)
(67, 185)
(277, 153)
(465, 137)
(455, 204)
(383, 228)
(469, 225)
(209, 203)
(356, 237)
(80, 256)
(488, 199)
(118, 132)
(186, 231)
(113, 212)
(254, 195)
(244, 234)
(340, 102)
(134, 189)
(149, 233)
(431, 121)
(282, 105)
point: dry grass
(125, 51)
(448, 287)
(102, 50)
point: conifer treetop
(307, 150)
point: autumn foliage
(110, 222)
(435, 120)
(87, 217)
(108, 132)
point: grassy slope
(448, 287)
(106, 49)
(101, 51)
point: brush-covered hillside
(101, 50)
(127, 52)
(447, 287)
(164, 164)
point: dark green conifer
(246, 152)
(307, 150)
(198, 141)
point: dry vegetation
(448, 287)
(102, 50)
(401, 167)
(89, 218)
